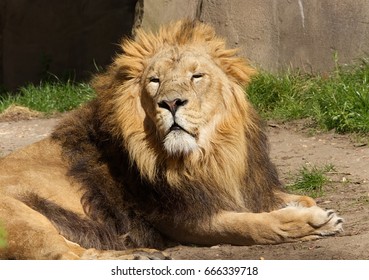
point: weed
(2, 237)
(339, 101)
(360, 139)
(49, 97)
(310, 180)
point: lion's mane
(130, 184)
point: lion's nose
(172, 105)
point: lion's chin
(179, 143)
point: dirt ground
(291, 148)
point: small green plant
(49, 97)
(2, 238)
(310, 180)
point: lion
(169, 152)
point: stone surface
(251, 26)
(312, 32)
(153, 13)
(281, 34)
(67, 38)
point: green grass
(2, 237)
(310, 180)
(49, 97)
(338, 101)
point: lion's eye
(197, 76)
(155, 80)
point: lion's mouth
(178, 140)
(175, 126)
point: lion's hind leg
(30, 235)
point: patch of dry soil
(348, 193)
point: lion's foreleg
(284, 225)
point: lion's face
(176, 99)
(184, 92)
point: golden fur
(169, 151)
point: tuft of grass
(3, 235)
(49, 97)
(339, 101)
(311, 180)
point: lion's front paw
(326, 222)
(301, 223)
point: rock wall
(70, 38)
(67, 38)
(278, 34)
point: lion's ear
(106, 82)
(129, 64)
(235, 67)
(136, 52)
(239, 70)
